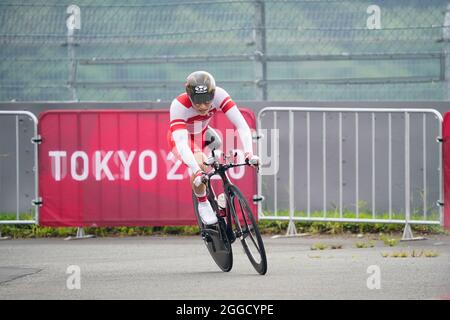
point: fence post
(445, 56)
(260, 51)
(73, 23)
(291, 231)
(445, 173)
(444, 72)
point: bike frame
(221, 170)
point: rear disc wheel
(216, 240)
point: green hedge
(266, 226)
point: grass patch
(362, 244)
(319, 246)
(267, 227)
(390, 242)
(34, 231)
(416, 254)
(412, 254)
(431, 254)
(325, 227)
(401, 254)
(324, 246)
(364, 213)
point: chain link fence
(88, 50)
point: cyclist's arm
(235, 116)
(228, 106)
(180, 137)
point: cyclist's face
(202, 108)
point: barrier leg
(80, 235)
(291, 232)
(408, 235)
(3, 238)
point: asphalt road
(181, 268)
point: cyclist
(189, 132)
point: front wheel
(247, 230)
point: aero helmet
(200, 86)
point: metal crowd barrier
(35, 140)
(326, 158)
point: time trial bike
(235, 219)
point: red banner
(446, 168)
(114, 168)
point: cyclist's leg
(199, 156)
(205, 210)
(197, 142)
(211, 139)
(200, 190)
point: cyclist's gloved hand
(200, 177)
(252, 159)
